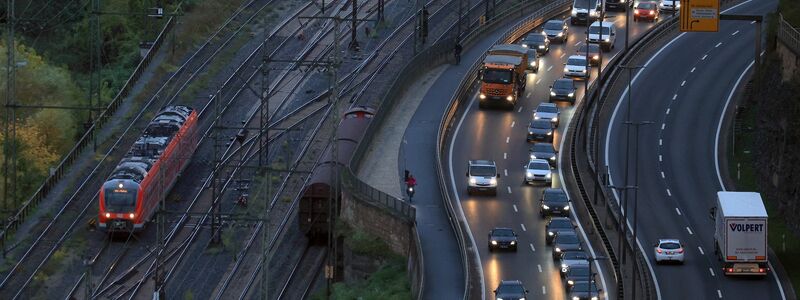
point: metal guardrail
(789, 35)
(458, 102)
(371, 195)
(13, 222)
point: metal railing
(788, 35)
(13, 222)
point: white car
(604, 34)
(547, 111)
(576, 66)
(668, 250)
(669, 5)
(538, 170)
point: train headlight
(108, 215)
(482, 96)
(131, 215)
(509, 98)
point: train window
(118, 201)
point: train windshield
(120, 202)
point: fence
(13, 222)
(789, 35)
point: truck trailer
(740, 236)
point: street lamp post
(635, 195)
(591, 275)
(624, 202)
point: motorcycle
(410, 191)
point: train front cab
(120, 209)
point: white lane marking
(549, 68)
(719, 293)
(523, 229)
(544, 290)
(689, 230)
(532, 249)
(667, 110)
(735, 32)
(540, 268)
(669, 193)
(753, 22)
(716, 159)
(505, 155)
(515, 208)
(718, 44)
(508, 138)
(460, 212)
(683, 83)
(662, 174)
(660, 142)
(710, 270)
(528, 95)
(578, 44)
(608, 145)
(701, 250)
(509, 191)
(563, 54)
(663, 125)
(538, 80)
(692, 71)
(660, 158)
(678, 211)
(520, 109)
(704, 57)
(512, 123)
(674, 96)
(505, 172)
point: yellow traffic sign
(699, 15)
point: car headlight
(552, 93)
(607, 39)
(678, 4)
(549, 133)
(552, 158)
(550, 233)
(536, 117)
(576, 298)
(548, 175)
(564, 269)
(541, 46)
(570, 282)
(545, 206)
(473, 181)
(494, 242)
(525, 45)
(530, 132)
(571, 95)
(560, 34)
(513, 242)
(566, 70)
(574, 12)
(529, 174)
(566, 207)
(533, 156)
(554, 119)
(509, 98)
(594, 298)
(482, 96)
(558, 249)
(596, 57)
(533, 63)
(593, 13)
(563, 266)
(493, 181)
(583, 71)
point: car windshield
(503, 232)
(563, 84)
(547, 109)
(646, 6)
(567, 239)
(593, 48)
(543, 147)
(584, 4)
(553, 25)
(579, 271)
(541, 124)
(670, 245)
(575, 255)
(576, 61)
(583, 287)
(538, 166)
(535, 38)
(497, 76)
(555, 196)
(120, 200)
(482, 171)
(510, 289)
(596, 30)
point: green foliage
(390, 282)
(366, 244)
(791, 11)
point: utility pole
(159, 291)
(10, 128)
(330, 275)
(624, 206)
(353, 32)
(635, 194)
(95, 65)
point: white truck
(740, 237)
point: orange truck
(503, 76)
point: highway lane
(500, 136)
(684, 90)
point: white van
(603, 33)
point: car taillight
(652, 12)
(730, 270)
(659, 250)
(680, 250)
(760, 270)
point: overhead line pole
(10, 126)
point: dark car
(576, 274)
(540, 130)
(594, 53)
(584, 290)
(620, 5)
(502, 238)
(538, 41)
(544, 151)
(510, 289)
(556, 30)
(554, 202)
(570, 259)
(565, 241)
(645, 10)
(563, 89)
(556, 225)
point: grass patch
(742, 167)
(389, 282)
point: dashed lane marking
(508, 138)
(660, 158)
(512, 123)
(667, 110)
(678, 211)
(532, 249)
(563, 54)
(704, 57)
(689, 230)
(540, 268)
(660, 142)
(735, 32)
(683, 83)
(523, 229)
(549, 68)
(669, 194)
(710, 270)
(538, 80)
(528, 95)
(509, 189)
(692, 71)
(544, 290)
(505, 155)
(515, 208)
(506, 172)
(520, 109)
(662, 174)
(663, 125)
(701, 250)
(674, 96)
(718, 44)
(719, 293)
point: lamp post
(635, 194)
(624, 200)
(591, 275)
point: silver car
(671, 5)
(556, 30)
(576, 66)
(547, 111)
(538, 170)
(668, 250)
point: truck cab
(502, 80)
